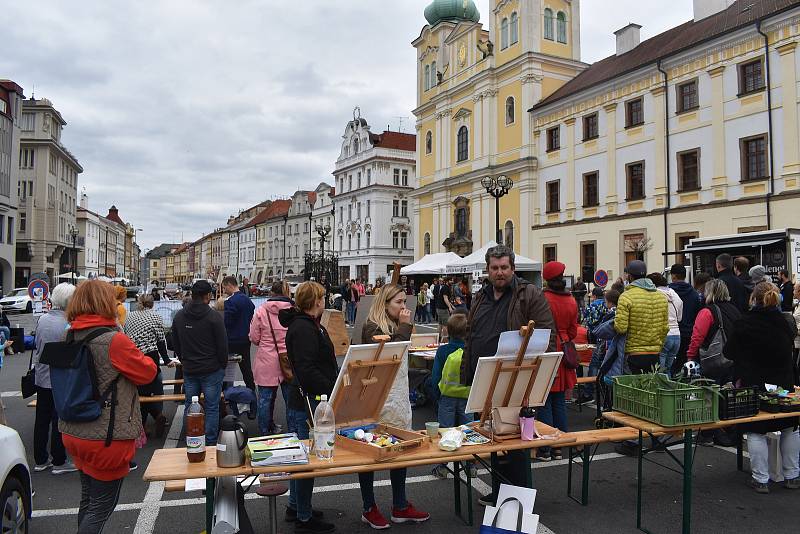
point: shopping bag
(494, 529)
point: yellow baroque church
(690, 133)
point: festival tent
(430, 264)
(477, 262)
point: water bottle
(324, 430)
(195, 432)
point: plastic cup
(432, 429)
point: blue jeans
(210, 386)
(398, 478)
(266, 406)
(300, 491)
(668, 352)
(554, 411)
(351, 312)
(451, 412)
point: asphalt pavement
(722, 503)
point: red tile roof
(113, 215)
(278, 208)
(312, 198)
(400, 141)
(687, 35)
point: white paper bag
(507, 515)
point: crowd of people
(641, 323)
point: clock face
(462, 54)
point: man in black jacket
(724, 265)
(202, 346)
(787, 291)
(691, 305)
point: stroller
(613, 365)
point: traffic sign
(601, 278)
(41, 276)
(38, 290)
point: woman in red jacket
(103, 457)
(565, 316)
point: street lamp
(73, 233)
(324, 232)
(283, 272)
(497, 187)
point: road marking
(7, 394)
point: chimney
(627, 38)
(85, 201)
(706, 8)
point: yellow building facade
(474, 88)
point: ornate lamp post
(497, 187)
(73, 233)
(324, 232)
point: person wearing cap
(642, 315)
(202, 347)
(564, 308)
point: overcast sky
(182, 112)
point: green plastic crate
(687, 405)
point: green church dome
(452, 10)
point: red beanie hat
(553, 269)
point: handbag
(283, 357)
(713, 362)
(27, 384)
(570, 358)
(505, 421)
(494, 529)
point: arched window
(508, 235)
(514, 28)
(434, 78)
(349, 241)
(461, 222)
(463, 144)
(358, 241)
(504, 34)
(548, 24)
(510, 110)
(368, 239)
(427, 241)
(428, 142)
(355, 146)
(561, 23)
(427, 77)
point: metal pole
(497, 219)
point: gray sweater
(51, 327)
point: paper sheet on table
(195, 484)
(510, 341)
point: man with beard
(505, 303)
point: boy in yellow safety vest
(446, 377)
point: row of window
(753, 151)
(560, 23)
(7, 229)
(463, 137)
(509, 31)
(751, 79)
(430, 79)
(399, 208)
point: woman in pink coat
(270, 336)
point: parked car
(17, 300)
(172, 289)
(16, 493)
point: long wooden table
(687, 433)
(172, 464)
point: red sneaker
(374, 518)
(410, 514)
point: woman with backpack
(760, 346)
(718, 312)
(564, 308)
(389, 316)
(103, 448)
(269, 336)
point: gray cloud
(182, 112)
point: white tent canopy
(477, 262)
(431, 264)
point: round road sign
(38, 288)
(601, 278)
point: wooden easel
(396, 274)
(369, 380)
(514, 368)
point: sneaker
(409, 515)
(440, 471)
(487, 500)
(291, 515)
(541, 456)
(705, 439)
(722, 438)
(161, 425)
(585, 399)
(66, 467)
(313, 525)
(758, 486)
(473, 470)
(556, 454)
(43, 467)
(792, 483)
(374, 518)
(133, 466)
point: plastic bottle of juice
(324, 430)
(195, 432)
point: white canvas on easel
(482, 382)
(421, 340)
(366, 353)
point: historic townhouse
(11, 98)
(693, 132)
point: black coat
(735, 288)
(311, 353)
(760, 346)
(199, 339)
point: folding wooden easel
(514, 368)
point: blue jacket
(691, 306)
(439, 360)
(614, 361)
(238, 314)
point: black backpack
(74, 381)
